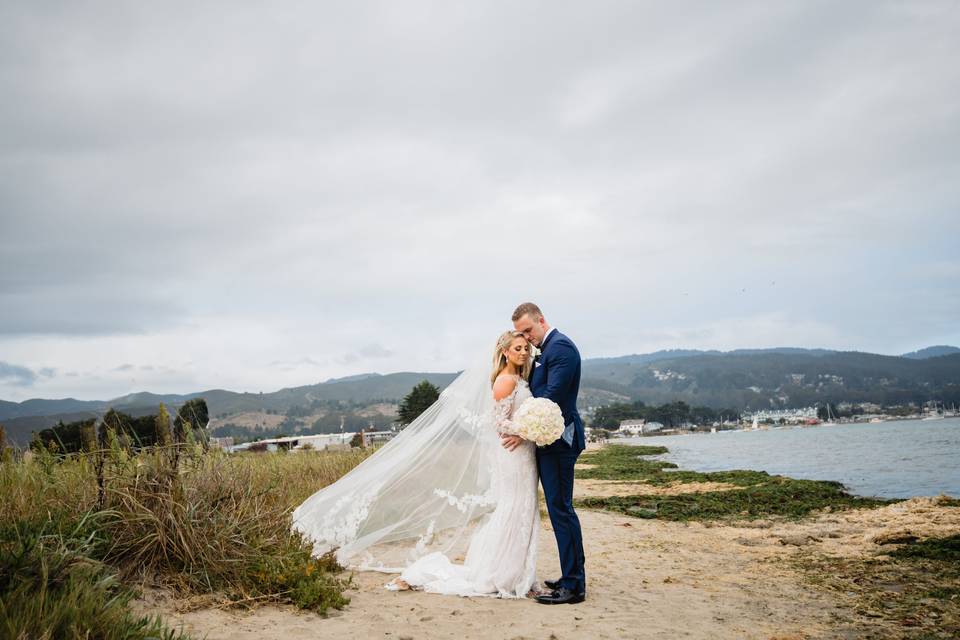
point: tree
(193, 415)
(611, 416)
(69, 438)
(164, 437)
(88, 436)
(6, 453)
(416, 402)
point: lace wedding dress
(502, 557)
(442, 503)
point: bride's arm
(502, 390)
(503, 396)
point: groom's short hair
(524, 309)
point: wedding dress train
(502, 556)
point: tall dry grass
(200, 522)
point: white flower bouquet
(539, 420)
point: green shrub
(53, 586)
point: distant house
(222, 443)
(631, 427)
(638, 427)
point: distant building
(317, 442)
(638, 427)
(222, 443)
(789, 416)
(631, 427)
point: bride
(444, 504)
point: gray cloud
(374, 351)
(375, 173)
(16, 375)
(367, 352)
(295, 365)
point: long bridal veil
(424, 491)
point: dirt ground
(645, 579)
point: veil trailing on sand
(424, 491)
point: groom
(556, 375)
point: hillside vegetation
(742, 380)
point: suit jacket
(557, 376)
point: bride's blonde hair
(500, 360)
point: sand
(645, 579)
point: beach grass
(52, 586)
(199, 522)
(757, 493)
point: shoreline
(765, 578)
(906, 459)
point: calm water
(892, 459)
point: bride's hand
(510, 442)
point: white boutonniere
(534, 352)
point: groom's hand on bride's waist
(510, 442)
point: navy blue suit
(556, 375)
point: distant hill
(361, 376)
(744, 378)
(777, 379)
(22, 418)
(19, 430)
(622, 369)
(39, 407)
(932, 352)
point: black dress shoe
(561, 596)
(552, 584)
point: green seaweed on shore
(758, 494)
(945, 549)
(626, 462)
(779, 496)
(915, 588)
(622, 462)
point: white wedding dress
(502, 556)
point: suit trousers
(555, 463)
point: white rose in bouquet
(539, 420)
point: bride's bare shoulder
(503, 386)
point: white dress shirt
(542, 342)
(568, 430)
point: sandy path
(646, 579)
(609, 488)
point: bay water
(894, 459)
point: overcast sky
(258, 195)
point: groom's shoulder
(561, 340)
